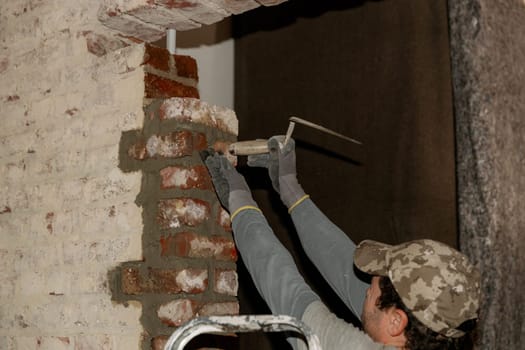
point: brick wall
(188, 265)
(72, 95)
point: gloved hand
(270, 160)
(281, 168)
(231, 187)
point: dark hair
(417, 334)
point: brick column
(188, 267)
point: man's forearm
(332, 253)
(271, 266)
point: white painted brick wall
(68, 212)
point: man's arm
(271, 266)
(277, 279)
(325, 244)
(331, 251)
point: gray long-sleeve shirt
(332, 252)
(283, 288)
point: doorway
(377, 71)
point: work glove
(270, 160)
(230, 186)
(281, 169)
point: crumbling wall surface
(67, 212)
(110, 231)
(488, 51)
(188, 266)
(148, 19)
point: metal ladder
(240, 324)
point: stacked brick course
(188, 265)
(169, 75)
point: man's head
(383, 325)
(436, 284)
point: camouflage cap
(436, 282)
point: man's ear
(397, 321)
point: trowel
(260, 146)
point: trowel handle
(246, 148)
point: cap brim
(370, 257)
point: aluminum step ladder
(240, 324)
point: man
(423, 295)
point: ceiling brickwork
(148, 20)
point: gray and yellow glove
(231, 187)
(280, 163)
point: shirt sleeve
(332, 252)
(334, 333)
(271, 265)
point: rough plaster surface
(488, 50)
(67, 213)
(148, 19)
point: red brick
(131, 281)
(226, 119)
(219, 309)
(187, 110)
(185, 177)
(177, 312)
(159, 87)
(226, 282)
(221, 146)
(199, 141)
(138, 150)
(157, 58)
(193, 281)
(186, 66)
(173, 213)
(223, 219)
(158, 342)
(193, 110)
(191, 245)
(164, 281)
(174, 145)
(167, 244)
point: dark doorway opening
(377, 71)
